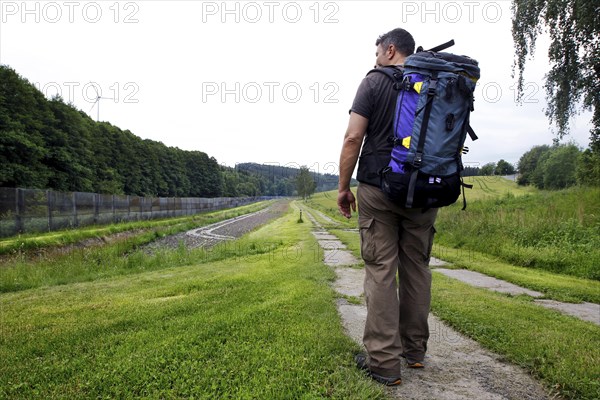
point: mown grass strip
(256, 326)
(554, 286)
(561, 350)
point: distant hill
(276, 173)
(47, 144)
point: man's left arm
(353, 139)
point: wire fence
(34, 210)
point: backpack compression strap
(471, 133)
(419, 153)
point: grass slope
(247, 326)
(492, 187)
(53, 266)
(553, 231)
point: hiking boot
(361, 363)
(415, 364)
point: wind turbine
(97, 102)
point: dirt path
(457, 367)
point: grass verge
(561, 350)
(248, 326)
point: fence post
(113, 209)
(19, 205)
(74, 199)
(50, 206)
(96, 207)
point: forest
(48, 144)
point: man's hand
(346, 201)
(353, 139)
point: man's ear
(390, 52)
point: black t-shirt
(375, 100)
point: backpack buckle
(407, 84)
(396, 142)
(432, 85)
(384, 170)
(418, 160)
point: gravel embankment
(232, 228)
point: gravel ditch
(213, 234)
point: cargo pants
(395, 241)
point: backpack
(431, 122)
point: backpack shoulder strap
(395, 75)
(391, 71)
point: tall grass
(554, 231)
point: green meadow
(256, 317)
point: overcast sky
(265, 81)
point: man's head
(393, 47)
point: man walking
(394, 240)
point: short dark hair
(400, 38)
